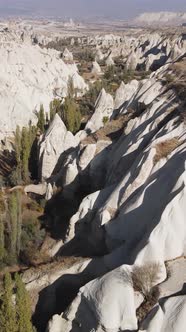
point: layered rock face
(134, 217)
(30, 76)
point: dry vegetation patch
(163, 149)
(144, 279)
(176, 80)
(112, 130)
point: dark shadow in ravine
(65, 203)
(55, 299)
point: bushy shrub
(145, 277)
(86, 55)
(105, 119)
(163, 149)
(71, 115)
(34, 206)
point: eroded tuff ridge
(130, 222)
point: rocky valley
(93, 152)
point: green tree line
(23, 143)
(10, 228)
(15, 315)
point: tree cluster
(23, 143)
(69, 112)
(15, 315)
(10, 228)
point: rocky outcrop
(79, 84)
(109, 61)
(130, 210)
(96, 69)
(126, 225)
(30, 76)
(132, 61)
(124, 94)
(67, 55)
(99, 55)
(103, 111)
(56, 141)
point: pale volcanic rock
(132, 62)
(56, 140)
(135, 210)
(39, 189)
(86, 155)
(79, 84)
(56, 324)
(31, 76)
(124, 93)
(99, 55)
(120, 299)
(96, 69)
(168, 316)
(109, 61)
(67, 55)
(103, 108)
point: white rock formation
(135, 212)
(124, 93)
(96, 69)
(79, 84)
(109, 61)
(56, 324)
(138, 215)
(169, 315)
(39, 189)
(56, 141)
(103, 109)
(99, 55)
(30, 76)
(67, 55)
(132, 62)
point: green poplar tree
(19, 221)
(18, 145)
(41, 119)
(25, 153)
(23, 307)
(16, 176)
(7, 310)
(55, 107)
(71, 115)
(13, 227)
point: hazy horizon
(120, 9)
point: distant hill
(163, 18)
